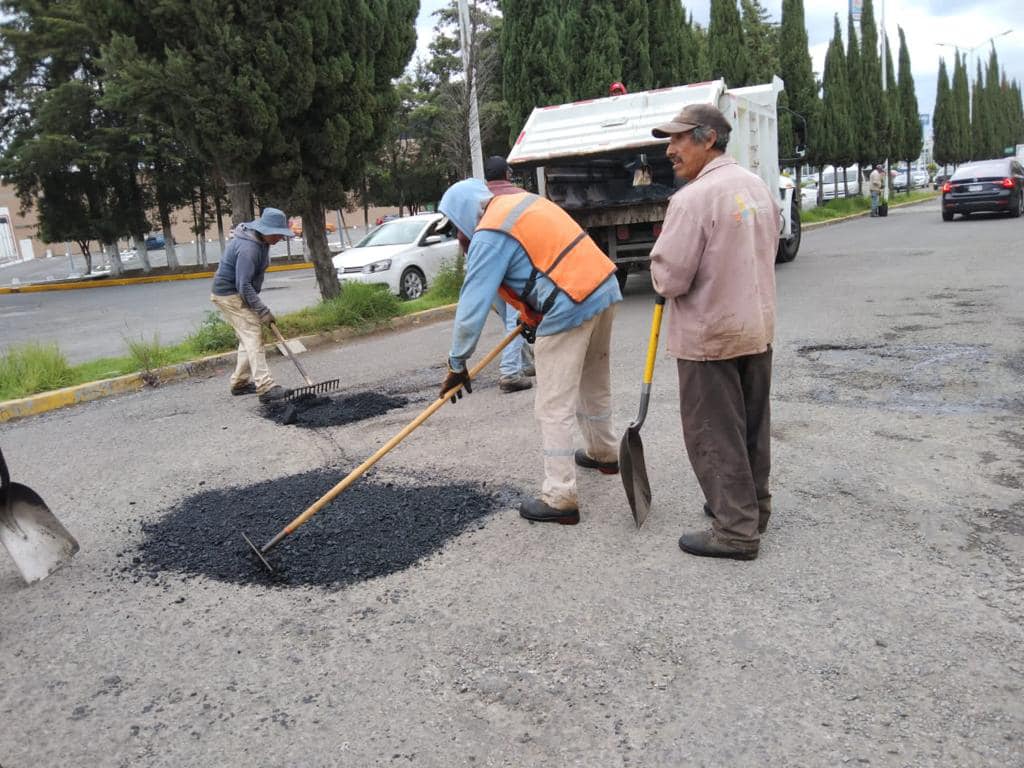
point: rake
(312, 387)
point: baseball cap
(495, 168)
(693, 116)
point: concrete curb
(110, 282)
(204, 366)
(861, 215)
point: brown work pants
(727, 431)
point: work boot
(243, 388)
(529, 371)
(604, 467)
(515, 383)
(538, 511)
(275, 393)
(762, 518)
(708, 544)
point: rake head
(331, 385)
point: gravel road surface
(881, 624)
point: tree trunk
(116, 268)
(314, 232)
(799, 197)
(240, 193)
(821, 187)
(908, 177)
(195, 222)
(220, 220)
(140, 249)
(366, 206)
(83, 246)
(202, 225)
(846, 184)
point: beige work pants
(252, 363)
(574, 383)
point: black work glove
(453, 379)
(267, 317)
(529, 333)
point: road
(419, 621)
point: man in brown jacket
(715, 264)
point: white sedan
(404, 254)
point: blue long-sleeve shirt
(495, 258)
(242, 267)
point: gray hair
(702, 133)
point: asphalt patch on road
(314, 412)
(372, 529)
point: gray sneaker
(516, 383)
(275, 393)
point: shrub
(446, 286)
(213, 335)
(33, 367)
(148, 355)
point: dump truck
(598, 160)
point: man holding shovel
(714, 262)
(236, 293)
(533, 254)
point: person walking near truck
(236, 293)
(875, 188)
(714, 262)
(541, 262)
(516, 365)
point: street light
(970, 51)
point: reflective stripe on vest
(555, 244)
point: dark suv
(984, 185)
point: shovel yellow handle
(652, 345)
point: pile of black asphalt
(313, 411)
(372, 529)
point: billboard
(856, 6)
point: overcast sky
(926, 23)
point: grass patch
(358, 306)
(847, 206)
(33, 367)
(213, 335)
(444, 290)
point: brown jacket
(715, 263)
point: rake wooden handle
(358, 472)
(288, 352)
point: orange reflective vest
(557, 248)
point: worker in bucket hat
(236, 293)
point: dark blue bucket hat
(272, 222)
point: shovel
(311, 388)
(358, 472)
(631, 450)
(33, 536)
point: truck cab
(598, 160)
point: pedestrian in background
(558, 279)
(236, 293)
(714, 262)
(875, 188)
(516, 367)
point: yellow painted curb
(109, 282)
(133, 382)
(828, 222)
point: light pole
(970, 51)
(468, 65)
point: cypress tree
(703, 57)
(727, 49)
(535, 59)
(995, 130)
(961, 109)
(595, 50)
(873, 128)
(761, 37)
(634, 37)
(979, 117)
(797, 72)
(943, 126)
(836, 136)
(891, 105)
(693, 62)
(665, 43)
(913, 141)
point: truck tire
(789, 248)
(621, 274)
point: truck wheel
(621, 274)
(788, 248)
(947, 215)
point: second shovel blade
(633, 470)
(32, 534)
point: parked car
(939, 180)
(918, 179)
(155, 242)
(385, 219)
(808, 194)
(985, 185)
(295, 225)
(404, 254)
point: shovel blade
(633, 470)
(32, 534)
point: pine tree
(874, 127)
(535, 59)
(943, 121)
(961, 109)
(728, 57)
(634, 37)
(835, 144)
(912, 140)
(761, 36)
(797, 72)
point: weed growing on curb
(33, 367)
(213, 335)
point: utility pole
(885, 75)
(466, 42)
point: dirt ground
(419, 621)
